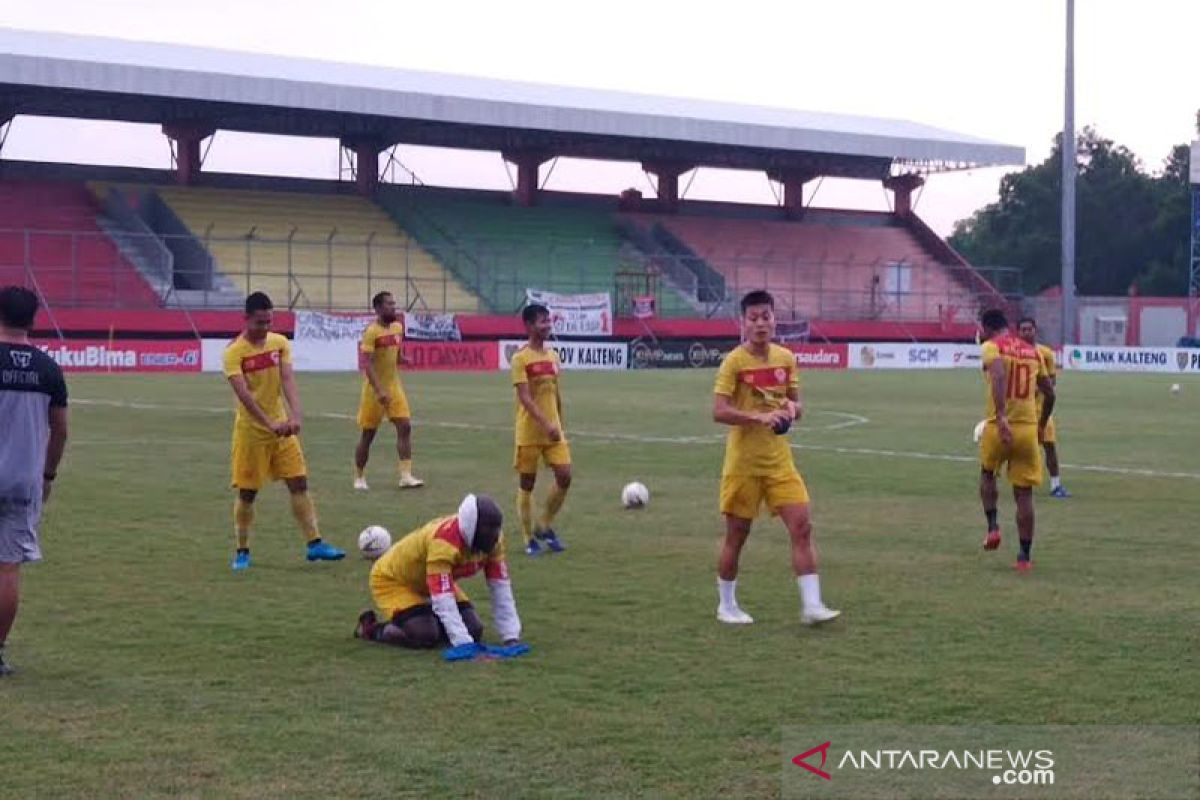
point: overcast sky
(992, 68)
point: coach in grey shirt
(33, 418)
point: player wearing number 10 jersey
(1013, 372)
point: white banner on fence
(576, 314)
(328, 342)
(432, 327)
(918, 355)
(575, 355)
(1130, 359)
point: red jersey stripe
(440, 583)
(540, 368)
(260, 361)
(766, 377)
(449, 532)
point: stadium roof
(61, 75)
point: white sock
(1054, 482)
(810, 590)
(728, 592)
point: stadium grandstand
(185, 238)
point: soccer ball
(979, 430)
(374, 541)
(635, 495)
(1174, 388)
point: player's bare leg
(544, 532)
(243, 523)
(1025, 524)
(404, 451)
(362, 453)
(737, 531)
(1056, 487)
(525, 484)
(798, 520)
(990, 496)
(306, 516)
(10, 598)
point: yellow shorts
(743, 495)
(1051, 436)
(392, 597)
(1023, 456)
(525, 457)
(256, 461)
(371, 414)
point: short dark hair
(1030, 320)
(531, 312)
(18, 307)
(378, 299)
(993, 319)
(759, 297)
(258, 301)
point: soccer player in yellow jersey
(415, 585)
(379, 357)
(1012, 371)
(1027, 330)
(266, 444)
(539, 430)
(757, 393)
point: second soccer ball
(374, 541)
(635, 495)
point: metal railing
(341, 273)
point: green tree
(1131, 226)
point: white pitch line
(852, 419)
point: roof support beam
(667, 173)
(903, 186)
(186, 138)
(528, 162)
(366, 150)
(793, 181)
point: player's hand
(1004, 429)
(1041, 434)
(797, 409)
(281, 428)
(383, 399)
(555, 433)
(46, 485)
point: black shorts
(424, 610)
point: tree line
(1132, 224)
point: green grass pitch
(148, 669)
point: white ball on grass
(1174, 388)
(374, 541)
(635, 495)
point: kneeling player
(414, 584)
(758, 395)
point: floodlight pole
(1068, 186)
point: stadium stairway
(51, 235)
(316, 251)
(500, 249)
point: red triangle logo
(823, 749)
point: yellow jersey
(1047, 355)
(430, 559)
(262, 367)
(381, 345)
(540, 371)
(757, 385)
(1023, 365)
